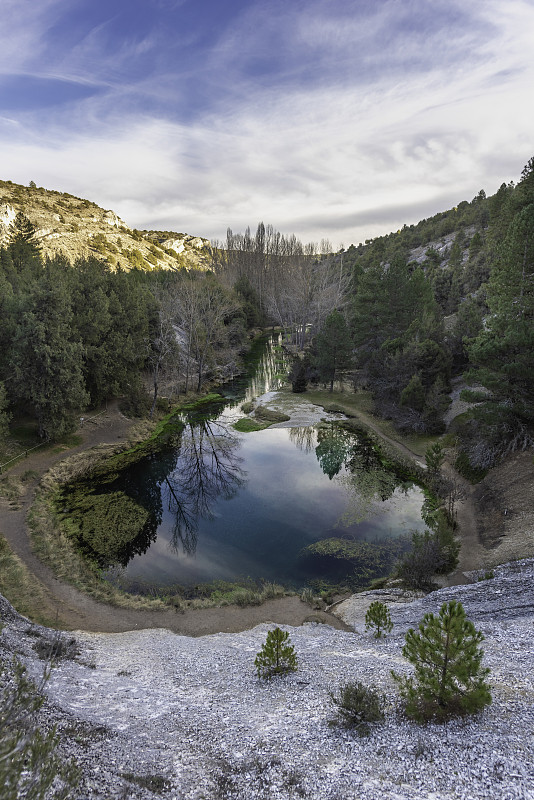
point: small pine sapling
(379, 618)
(449, 679)
(434, 457)
(277, 656)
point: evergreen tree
(47, 360)
(23, 249)
(434, 458)
(5, 416)
(334, 347)
(297, 376)
(93, 323)
(378, 619)
(502, 354)
(449, 678)
(277, 656)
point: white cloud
(363, 153)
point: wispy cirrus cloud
(365, 116)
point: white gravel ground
(147, 704)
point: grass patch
(360, 404)
(247, 407)
(21, 588)
(247, 425)
(244, 592)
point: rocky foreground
(154, 714)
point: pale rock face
(174, 244)
(112, 219)
(43, 233)
(7, 215)
(196, 241)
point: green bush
(449, 679)
(432, 553)
(379, 619)
(464, 467)
(277, 656)
(358, 706)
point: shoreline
(61, 605)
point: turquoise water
(225, 505)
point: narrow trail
(74, 610)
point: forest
(399, 316)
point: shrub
(277, 656)
(307, 595)
(358, 706)
(449, 679)
(29, 764)
(379, 618)
(417, 568)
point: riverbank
(38, 592)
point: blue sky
(338, 119)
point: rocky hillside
(77, 228)
(152, 714)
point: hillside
(78, 228)
(152, 714)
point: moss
(247, 425)
(246, 408)
(106, 524)
(358, 562)
(269, 415)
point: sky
(329, 119)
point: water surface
(224, 505)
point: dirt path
(74, 610)
(472, 552)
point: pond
(298, 504)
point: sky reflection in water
(283, 501)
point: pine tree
(23, 248)
(5, 416)
(434, 458)
(449, 678)
(47, 360)
(277, 656)
(379, 619)
(502, 354)
(334, 347)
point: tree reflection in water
(207, 468)
(368, 482)
(334, 445)
(303, 438)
